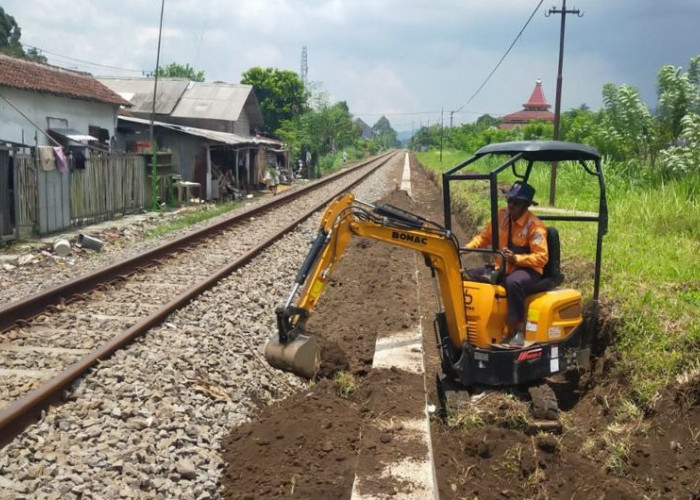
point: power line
(502, 58)
(434, 112)
(82, 61)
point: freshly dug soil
(306, 446)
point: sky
(413, 61)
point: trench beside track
(66, 330)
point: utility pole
(557, 103)
(451, 113)
(154, 148)
(441, 132)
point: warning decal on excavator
(529, 355)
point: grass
(346, 382)
(651, 259)
(190, 218)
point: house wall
(242, 125)
(184, 148)
(38, 106)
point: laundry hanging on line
(61, 163)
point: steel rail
(18, 415)
(29, 307)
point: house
(205, 131)
(38, 101)
(43, 105)
(536, 108)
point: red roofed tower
(536, 108)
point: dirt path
(306, 446)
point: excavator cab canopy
(532, 153)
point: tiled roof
(537, 99)
(28, 75)
(527, 115)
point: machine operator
(525, 251)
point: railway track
(54, 337)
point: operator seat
(551, 274)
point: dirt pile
(306, 446)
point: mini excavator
(470, 318)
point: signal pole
(557, 104)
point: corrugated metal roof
(184, 99)
(37, 77)
(215, 101)
(140, 92)
(212, 135)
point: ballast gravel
(148, 422)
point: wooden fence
(27, 191)
(109, 185)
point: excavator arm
(344, 219)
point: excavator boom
(345, 218)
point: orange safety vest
(528, 240)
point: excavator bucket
(301, 356)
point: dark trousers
(518, 285)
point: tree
(281, 95)
(10, 44)
(680, 160)
(678, 95)
(487, 121)
(627, 126)
(10, 33)
(33, 54)
(175, 70)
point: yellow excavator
(470, 319)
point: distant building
(536, 108)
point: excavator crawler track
(545, 409)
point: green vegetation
(10, 43)
(347, 384)
(191, 218)
(280, 93)
(175, 70)
(651, 254)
